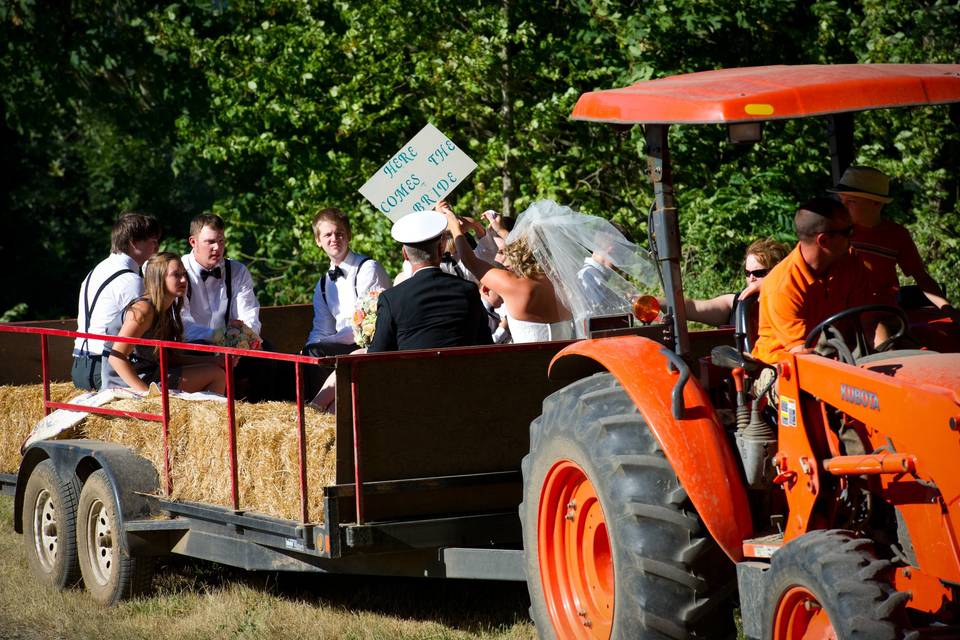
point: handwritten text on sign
(425, 170)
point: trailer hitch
(676, 397)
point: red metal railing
(229, 354)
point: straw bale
(268, 463)
(21, 407)
(268, 470)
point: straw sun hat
(864, 182)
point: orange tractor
(836, 515)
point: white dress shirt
(203, 310)
(107, 315)
(333, 318)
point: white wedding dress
(524, 331)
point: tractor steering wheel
(862, 344)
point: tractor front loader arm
(683, 421)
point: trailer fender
(695, 444)
(130, 475)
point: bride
(564, 267)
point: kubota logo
(862, 397)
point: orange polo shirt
(885, 246)
(793, 300)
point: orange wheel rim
(576, 562)
(800, 616)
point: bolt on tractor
(834, 514)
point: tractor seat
(895, 355)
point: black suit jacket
(431, 309)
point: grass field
(194, 599)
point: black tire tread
(67, 491)
(848, 579)
(131, 576)
(673, 581)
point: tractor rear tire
(613, 546)
(831, 579)
(49, 526)
(109, 572)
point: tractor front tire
(613, 546)
(830, 581)
(49, 526)
(109, 572)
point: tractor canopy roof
(780, 92)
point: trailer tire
(832, 578)
(49, 526)
(624, 553)
(110, 573)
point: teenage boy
(108, 289)
(335, 296)
(221, 290)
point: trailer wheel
(109, 572)
(829, 584)
(49, 520)
(613, 547)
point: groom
(430, 309)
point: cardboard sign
(419, 175)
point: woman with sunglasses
(761, 257)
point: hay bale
(272, 482)
(268, 471)
(21, 407)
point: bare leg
(325, 400)
(203, 378)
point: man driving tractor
(819, 278)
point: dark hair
(814, 216)
(507, 222)
(132, 227)
(211, 220)
(332, 215)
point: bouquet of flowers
(365, 317)
(238, 335)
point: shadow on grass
(466, 605)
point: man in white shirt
(221, 290)
(108, 289)
(350, 276)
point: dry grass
(268, 467)
(194, 600)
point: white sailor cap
(418, 227)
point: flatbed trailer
(423, 488)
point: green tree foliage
(264, 112)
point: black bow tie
(335, 273)
(215, 272)
(448, 259)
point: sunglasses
(846, 232)
(756, 273)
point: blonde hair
(333, 216)
(165, 326)
(521, 259)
